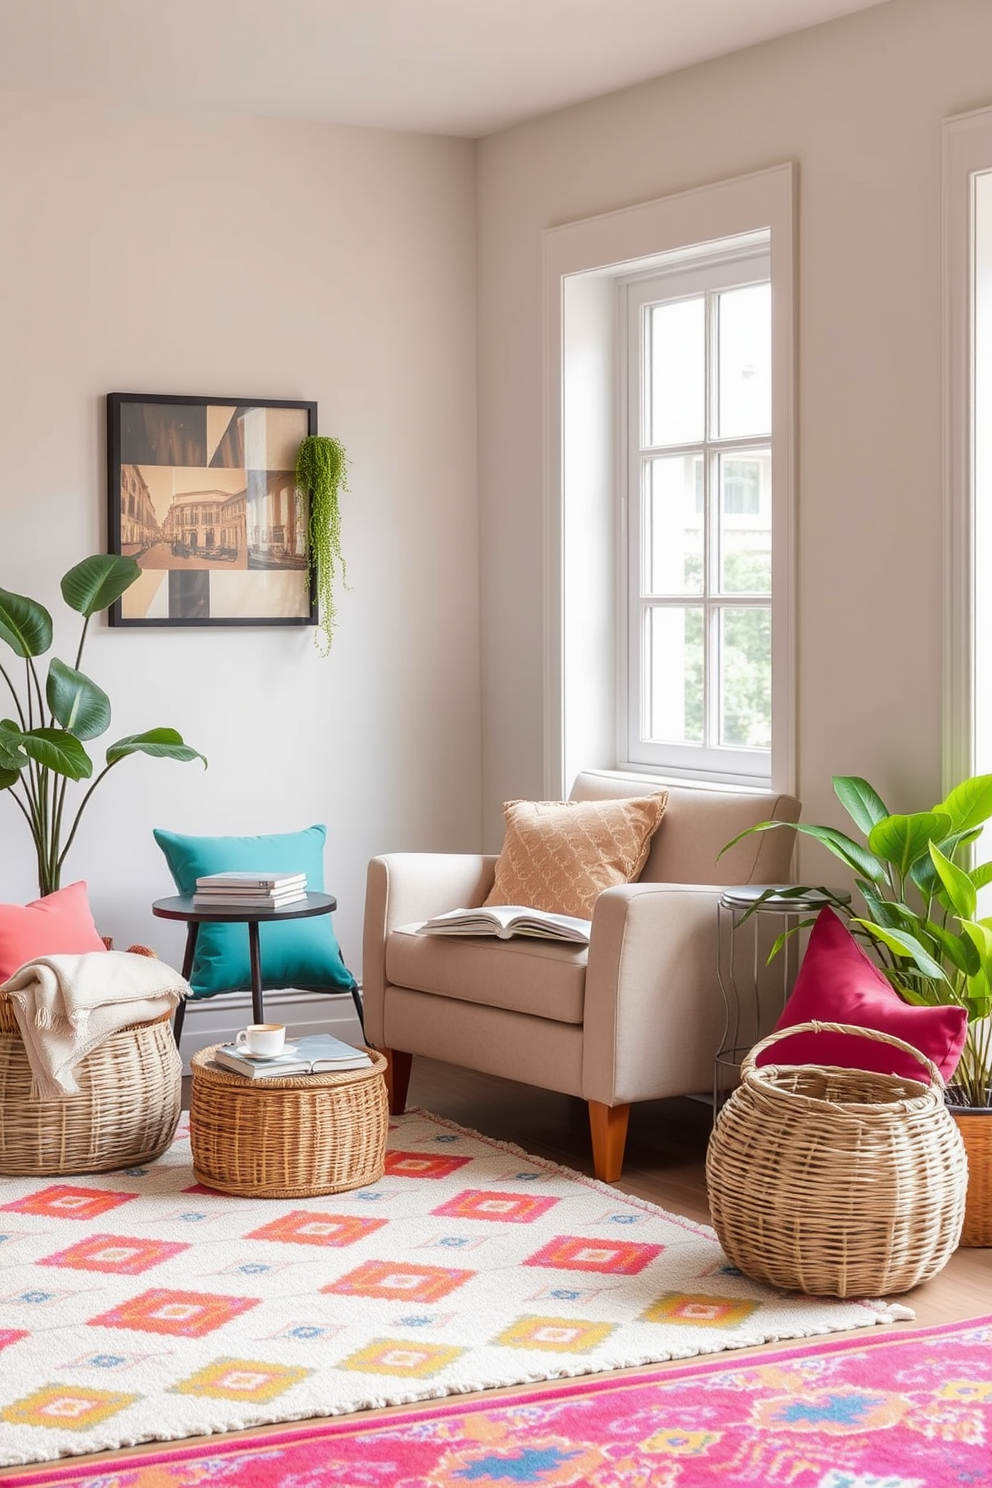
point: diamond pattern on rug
(61, 1407)
(64, 1201)
(469, 1265)
(181, 1314)
(121, 1255)
(616, 1258)
(501, 1208)
(302, 1227)
(395, 1279)
(241, 1379)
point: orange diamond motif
(119, 1254)
(610, 1257)
(63, 1201)
(303, 1227)
(422, 1165)
(179, 1314)
(501, 1208)
(399, 1282)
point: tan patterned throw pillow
(561, 855)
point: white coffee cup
(266, 1039)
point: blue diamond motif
(106, 1361)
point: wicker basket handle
(749, 1060)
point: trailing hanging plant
(322, 473)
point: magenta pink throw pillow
(838, 983)
(59, 924)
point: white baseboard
(216, 1020)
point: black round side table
(181, 907)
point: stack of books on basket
(311, 1054)
(249, 890)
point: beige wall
(174, 252)
(170, 253)
(858, 105)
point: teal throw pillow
(296, 953)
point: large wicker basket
(836, 1182)
(293, 1137)
(125, 1114)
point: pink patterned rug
(905, 1410)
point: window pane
(746, 677)
(675, 371)
(744, 381)
(745, 487)
(673, 675)
(673, 526)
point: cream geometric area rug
(138, 1306)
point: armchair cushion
(545, 978)
(561, 855)
(298, 953)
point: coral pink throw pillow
(838, 983)
(59, 924)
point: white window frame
(584, 542)
(967, 154)
(744, 261)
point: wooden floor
(666, 1151)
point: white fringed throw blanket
(67, 1005)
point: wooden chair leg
(397, 1079)
(608, 1126)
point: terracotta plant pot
(975, 1125)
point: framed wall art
(202, 493)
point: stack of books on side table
(312, 1054)
(249, 890)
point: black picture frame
(202, 492)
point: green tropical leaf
(8, 778)
(856, 857)
(981, 875)
(160, 743)
(978, 999)
(97, 582)
(12, 756)
(961, 950)
(957, 884)
(58, 751)
(25, 625)
(903, 840)
(861, 801)
(780, 940)
(970, 803)
(882, 911)
(901, 943)
(80, 706)
(924, 874)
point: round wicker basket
(125, 1114)
(836, 1182)
(287, 1138)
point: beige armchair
(636, 1015)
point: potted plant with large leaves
(919, 914)
(42, 750)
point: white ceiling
(461, 67)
